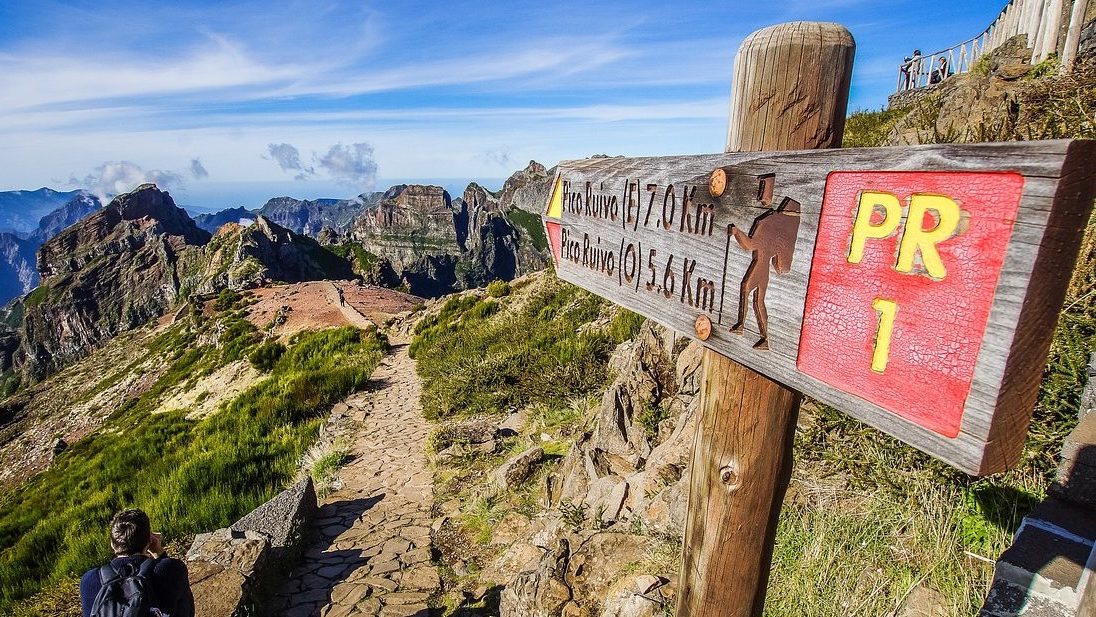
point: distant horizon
(216, 196)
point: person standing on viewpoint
(141, 579)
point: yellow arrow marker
(555, 204)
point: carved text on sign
(676, 208)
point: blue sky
(227, 103)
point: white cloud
(559, 58)
(32, 81)
(116, 177)
(287, 156)
(351, 165)
(499, 156)
(197, 169)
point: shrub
(498, 288)
(1046, 68)
(870, 129)
(530, 224)
(649, 417)
(981, 67)
(228, 299)
(266, 355)
(625, 325)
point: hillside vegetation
(189, 475)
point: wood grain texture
(1054, 204)
(791, 88)
(740, 471)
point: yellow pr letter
(862, 227)
(916, 238)
(888, 310)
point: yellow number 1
(887, 309)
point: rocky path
(372, 552)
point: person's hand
(156, 545)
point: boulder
(645, 583)
(600, 561)
(643, 379)
(570, 482)
(513, 423)
(517, 469)
(627, 603)
(924, 601)
(226, 569)
(473, 431)
(540, 592)
(284, 519)
(687, 369)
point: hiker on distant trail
(141, 579)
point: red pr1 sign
(902, 281)
(913, 288)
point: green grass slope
(190, 476)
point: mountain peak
(148, 203)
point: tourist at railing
(942, 72)
(910, 70)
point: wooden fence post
(790, 91)
(1073, 36)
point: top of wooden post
(791, 88)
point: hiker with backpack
(141, 580)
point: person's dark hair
(130, 532)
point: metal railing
(1040, 20)
(923, 71)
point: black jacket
(170, 585)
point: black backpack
(125, 594)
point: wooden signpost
(914, 288)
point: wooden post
(1073, 36)
(1035, 41)
(790, 91)
(1053, 25)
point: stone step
(1047, 572)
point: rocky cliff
(115, 270)
(213, 221)
(309, 217)
(21, 211)
(1002, 98)
(243, 257)
(435, 244)
(131, 262)
(72, 211)
(527, 189)
(18, 272)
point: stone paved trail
(371, 555)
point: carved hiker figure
(772, 241)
